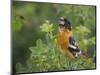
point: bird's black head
(65, 22)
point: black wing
(72, 45)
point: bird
(66, 40)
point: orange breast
(63, 39)
(63, 42)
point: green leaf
(47, 27)
(16, 25)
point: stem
(47, 38)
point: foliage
(47, 27)
(50, 59)
(17, 24)
(84, 42)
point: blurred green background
(29, 42)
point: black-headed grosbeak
(66, 40)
